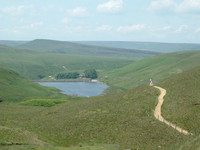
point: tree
(41, 76)
(91, 73)
(70, 75)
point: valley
(100, 75)
(37, 117)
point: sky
(176, 21)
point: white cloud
(181, 29)
(104, 28)
(132, 28)
(14, 10)
(73, 29)
(65, 20)
(172, 5)
(189, 5)
(33, 25)
(165, 28)
(79, 11)
(197, 30)
(112, 6)
(162, 4)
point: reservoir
(82, 89)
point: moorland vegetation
(36, 117)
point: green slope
(183, 103)
(14, 87)
(80, 49)
(157, 68)
(31, 63)
(148, 46)
(124, 120)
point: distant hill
(14, 88)
(157, 68)
(11, 43)
(147, 46)
(81, 49)
(33, 64)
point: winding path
(158, 114)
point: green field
(157, 68)
(31, 64)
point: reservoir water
(82, 89)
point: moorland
(37, 117)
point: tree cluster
(91, 73)
(70, 75)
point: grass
(14, 88)
(183, 103)
(31, 64)
(124, 119)
(43, 102)
(186, 95)
(84, 147)
(157, 68)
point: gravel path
(158, 114)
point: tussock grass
(43, 102)
(124, 119)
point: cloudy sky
(105, 20)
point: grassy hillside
(147, 46)
(183, 103)
(124, 120)
(121, 121)
(31, 63)
(157, 68)
(14, 87)
(80, 49)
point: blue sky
(104, 20)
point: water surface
(83, 89)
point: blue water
(82, 89)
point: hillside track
(158, 113)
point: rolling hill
(118, 121)
(14, 88)
(157, 68)
(32, 64)
(124, 121)
(80, 49)
(147, 46)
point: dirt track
(158, 114)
